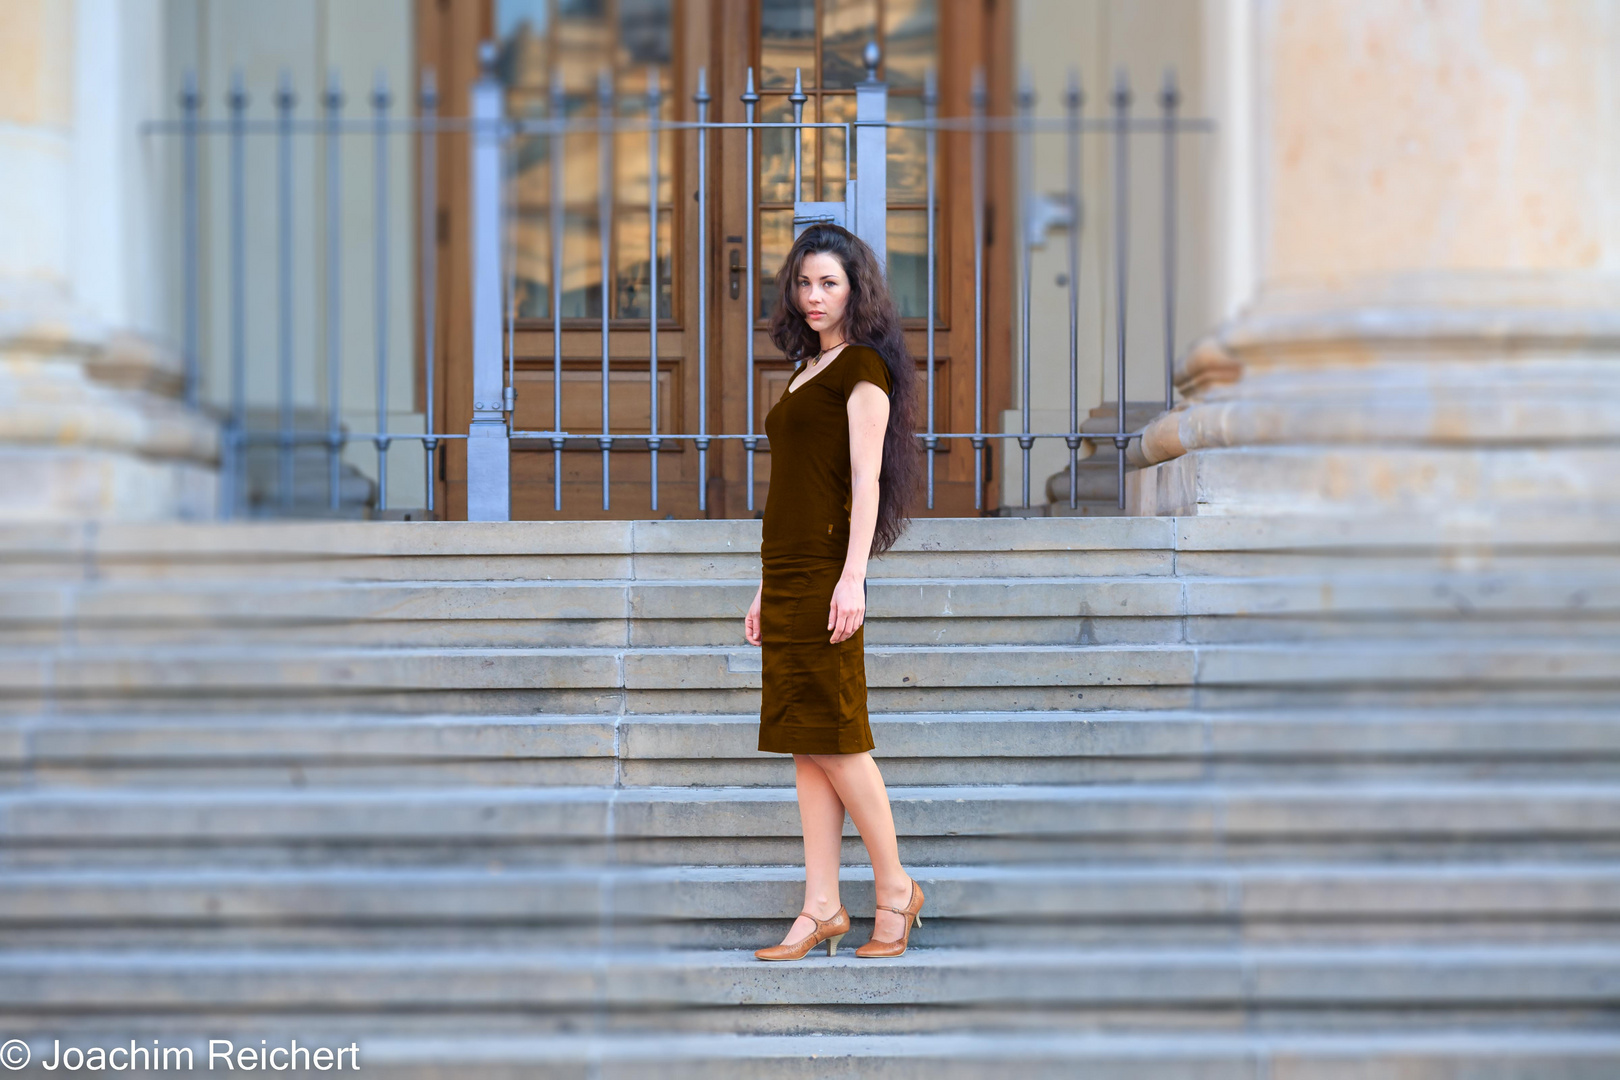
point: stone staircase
(1190, 798)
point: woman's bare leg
(821, 814)
(859, 784)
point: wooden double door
(575, 41)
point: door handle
(736, 273)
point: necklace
(823, 352)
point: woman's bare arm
(868, 409)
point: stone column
(90, 421)
(1436, 324)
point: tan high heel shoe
(897, 947)
(831, 931)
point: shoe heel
(832, 944)
(916, 920)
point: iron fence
(491, 136)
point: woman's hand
(751, 620)
(848, 610)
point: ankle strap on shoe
(901, 911)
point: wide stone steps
(927, 989)
(1280, 800)
(1499, 1052)
(369, 750)
(1286, 1055)
(564, 550)
(729, 549)
(713, 679)
(737, 907)
(1082, 608)
(726, 826)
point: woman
(843, 463)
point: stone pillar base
(1422, 394)
(1378, 480)
(90, 426)
(40, 484)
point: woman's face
(823, 291)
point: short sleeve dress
(813, 692)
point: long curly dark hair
(871, 319)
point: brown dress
(813, 697)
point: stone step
(1031, 1056)
(435, 1048)
(958, 609)
(938, 824)
(733, 907)
(371, 750)
(714, 679)
(1566, 986)
(540, 550)
(931, 547)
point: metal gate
(491, 136)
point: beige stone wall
(1441, 136)
(36, 149)
(81, 200)
(34, 91)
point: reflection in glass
(511, 15)
(644, 34)
(846, 27)
(522, 67)
(787, 39)
(631, 84)
(776, 151)
(531, 265)
(908, 153)
(775, 238)
(775, 157)
(908, 261)
(582, 173)
(583, 44)
(838, 108)
(523, 61)
(631, 268)
(791, 31)
(630, 158)
(911, 41)
(578, 39)
(582, 265)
